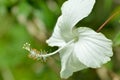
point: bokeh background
(33, 21)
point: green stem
(108, 20)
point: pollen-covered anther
(37, 55)
(34, 53)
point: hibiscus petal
(72, 12)
(69, 62)
(92, 49)
(56, 38)
(75, 10)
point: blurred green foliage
(18, 17)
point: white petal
(72, 12)
(75, 10)
(56, 38)
(93, 49)
(70, 63)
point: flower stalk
(108, 20)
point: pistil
(35, 54)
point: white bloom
(82, 47)
(79, 48)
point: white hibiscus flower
(79, 48)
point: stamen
(35, 54)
